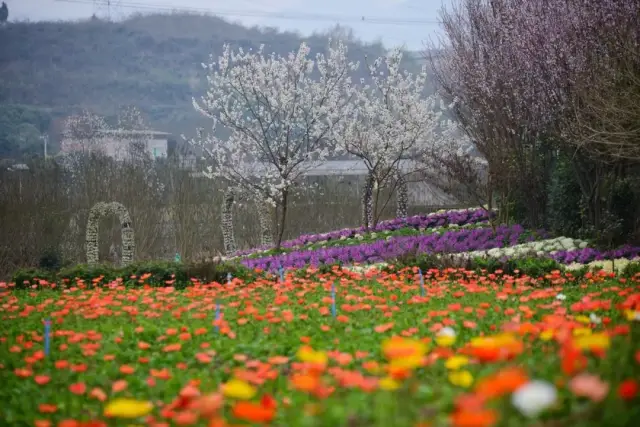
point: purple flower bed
(587, 255)
(419, 221)
(449, 242)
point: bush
(159, 273)
(28, 276)
(530, 266)
(631, 269)
(565, 195)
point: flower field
(344, 344)
(339, 348)
(463, 233)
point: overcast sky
(347, 12)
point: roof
(134, 132)
(348, 167)
(356, 167)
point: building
(352, 173)
(121, 144)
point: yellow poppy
(238, 389)
(307, 354)
(461, 378)
(456, 362)
(388, 383)
(127, 408)
(598, 341)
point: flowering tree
(513, 68)
(83, 132)
(280, 115)
(132, 125)
(390, 121)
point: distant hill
(51, 69)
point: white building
(119, 144)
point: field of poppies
(315, 337)
(381, 348)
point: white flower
(561, 297)
(534, 397)
(595, 319)
(447, 331)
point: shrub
(159, 273)
(28, 276)
(530, 266)
(631, 269)
(213, 271)
(565, 197)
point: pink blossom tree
(515, 70)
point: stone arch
(228, 233)
(266, 235)
(99, 210)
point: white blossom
(447, 331)
(277, 115)
(389, 121)
(534, 397)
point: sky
(410, 23)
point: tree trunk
(402, 198)
(283, 216)
(228, 236)
(266, 236)
(375, 214)
(367, 202)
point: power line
(266, 14)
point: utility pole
(45, 139)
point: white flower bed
(609, 266)
(365, 268)
(539, 248)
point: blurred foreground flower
(238, 389)
(461, 378)
(258, 413)
(590, 386)
(309, 355)
(446, 337)
(127, 408)
(404, 353)
(534, 397)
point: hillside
(51, 69)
